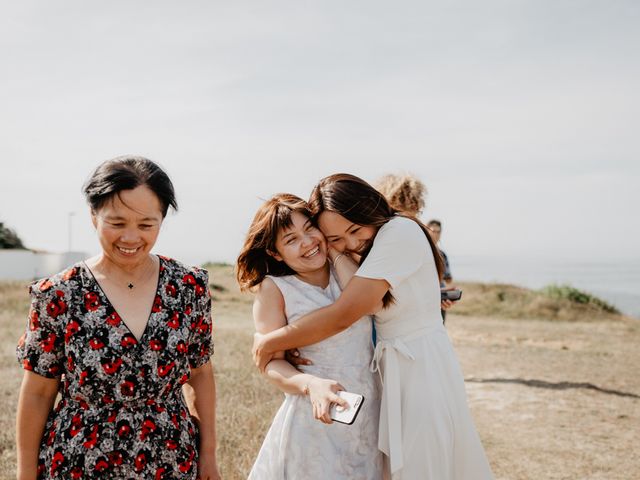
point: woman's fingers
(260, 357)
(341, 402)
(446, 304)
(325, 416)
(293, 357)
(264, 360)
(324, 395)
(322, 411)
(255, 348)
(335, 398)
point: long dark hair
(256, 260)
(360, 203)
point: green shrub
(577, 296)
(211, 264)
(9, 238)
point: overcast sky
(522, 117)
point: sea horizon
(617, 281)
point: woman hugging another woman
(285, 259)
(426, 429)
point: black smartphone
(453, 295)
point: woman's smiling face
(301, 246)
(128, 225)
(343, 235)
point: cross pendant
(130, 286)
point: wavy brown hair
(256, 260)
(360, 203)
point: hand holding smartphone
(347, 415)
(453, 295)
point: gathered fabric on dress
(297, 446)
(426, 427)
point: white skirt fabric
(299, 447)
(426, 428)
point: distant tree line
(9, 238)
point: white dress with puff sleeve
(426, 428)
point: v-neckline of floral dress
(154, 307)
(122, 413)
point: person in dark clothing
(435, 227)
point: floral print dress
(122, 414)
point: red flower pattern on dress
(117, 390)
(91, 301)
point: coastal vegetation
(578, 296)
(553, 302)
(9, 238)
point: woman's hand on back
(323, 394)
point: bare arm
(346, 268)
(200, 394)
(37, 395)
(360, 297)
(269, 315)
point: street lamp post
(69, 223)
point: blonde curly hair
(403, 192)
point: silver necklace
(131, 285)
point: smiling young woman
(285, 259)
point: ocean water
(617, 282)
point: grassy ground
(551, 399)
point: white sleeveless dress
(297, 446)
(425, 424)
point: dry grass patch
(510, 301)
(14, 305)
(528, 382)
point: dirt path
(554, 400)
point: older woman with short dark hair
(125, 337)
